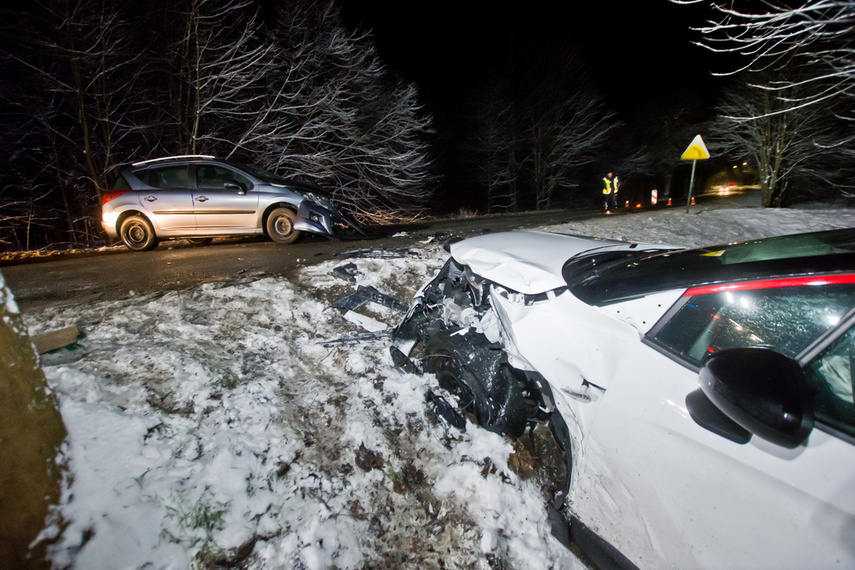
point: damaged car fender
(456, 336)
(604, 341)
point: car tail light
(111, 195)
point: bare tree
(335, 114)
(494, 147)
(218, 60)
(567, 125)
(69, 108)
(801, 57)
(816, 38)
(786, 143)
(535, 128)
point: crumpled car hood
(527, 262)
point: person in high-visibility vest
(610, 190)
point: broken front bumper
(443, 321)
(326, 221)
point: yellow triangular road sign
(697, 150)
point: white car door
(667, 492)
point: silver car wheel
(137, 234)
(280, 226)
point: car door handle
(202, 199)
(150, 198)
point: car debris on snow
(364, 321)
(365, 294)
(357, 337)
(347, 272)
(379, 252)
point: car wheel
(137, 234)
(481, 383)
(280, 226)
(200, 241)
(443, 364)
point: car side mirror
(235, 186)
(761, 391)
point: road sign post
(697, 151)
(691, 185)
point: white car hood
(527, 262)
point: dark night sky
(640, 52)
(640, 55)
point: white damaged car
(703, 398)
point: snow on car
(703, 398)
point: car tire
(485, 388)
(444, 365)
(137, 234)
(280, 226)
(200, 241)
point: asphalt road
(176, 265)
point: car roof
(295, 184)
(616, 280)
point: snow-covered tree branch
(816, 38)
(794, 149)
(337, 116)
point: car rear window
(818, 252)
(121, 183)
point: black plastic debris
(446, 412)
(351, 302)
(379, 252)
(348, 272)
(402, 361)
(358, 337)
(364, 294)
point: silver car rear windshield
(603, 279)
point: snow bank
(707, 225)
(213, 425)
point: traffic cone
(669, 201)
(693, 200)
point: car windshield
(621, 279)
(260, 173)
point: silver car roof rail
(172, 158)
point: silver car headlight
(320, 200)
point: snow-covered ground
(218, 424)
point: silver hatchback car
(199, 197)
